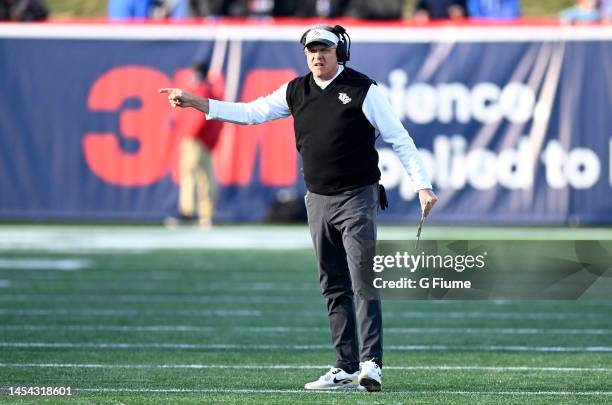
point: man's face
(322, 60)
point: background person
(606, 10)
(174, 9)
(23, 10)
(147, 9)
(583, 11)
(338, 112)
(427, 10)
(198, 184)
(128, 9)
(494, 9)
(376, 10)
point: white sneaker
(370, 376)
(334, 379)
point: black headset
(343, 49)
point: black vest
(332, 134)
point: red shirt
(189, 122)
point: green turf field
(127, 325)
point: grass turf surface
(200, 326)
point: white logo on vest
(344, 98)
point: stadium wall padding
(514, 122)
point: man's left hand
(428, 199)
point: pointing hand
(176, 97)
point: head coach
(338, 113)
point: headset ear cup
(342, 51)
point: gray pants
(343, 230)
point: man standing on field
(338, 113)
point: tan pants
(198, 186)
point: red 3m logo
(234, 158)
(149, 125)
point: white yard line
(44, 264)
(191, 346)
(105, 297)
(268, 298)
(298, 329)
(288, 391)
(502, 331)
(134, 239)
(149, 299)
(137, 240)
(93, 312)
(300, 367)
(229, 287)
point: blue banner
(512, 131)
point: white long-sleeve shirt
(376, 109)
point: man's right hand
(179, 98)
(176, 97)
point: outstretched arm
(180, 98)
(268, 108)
